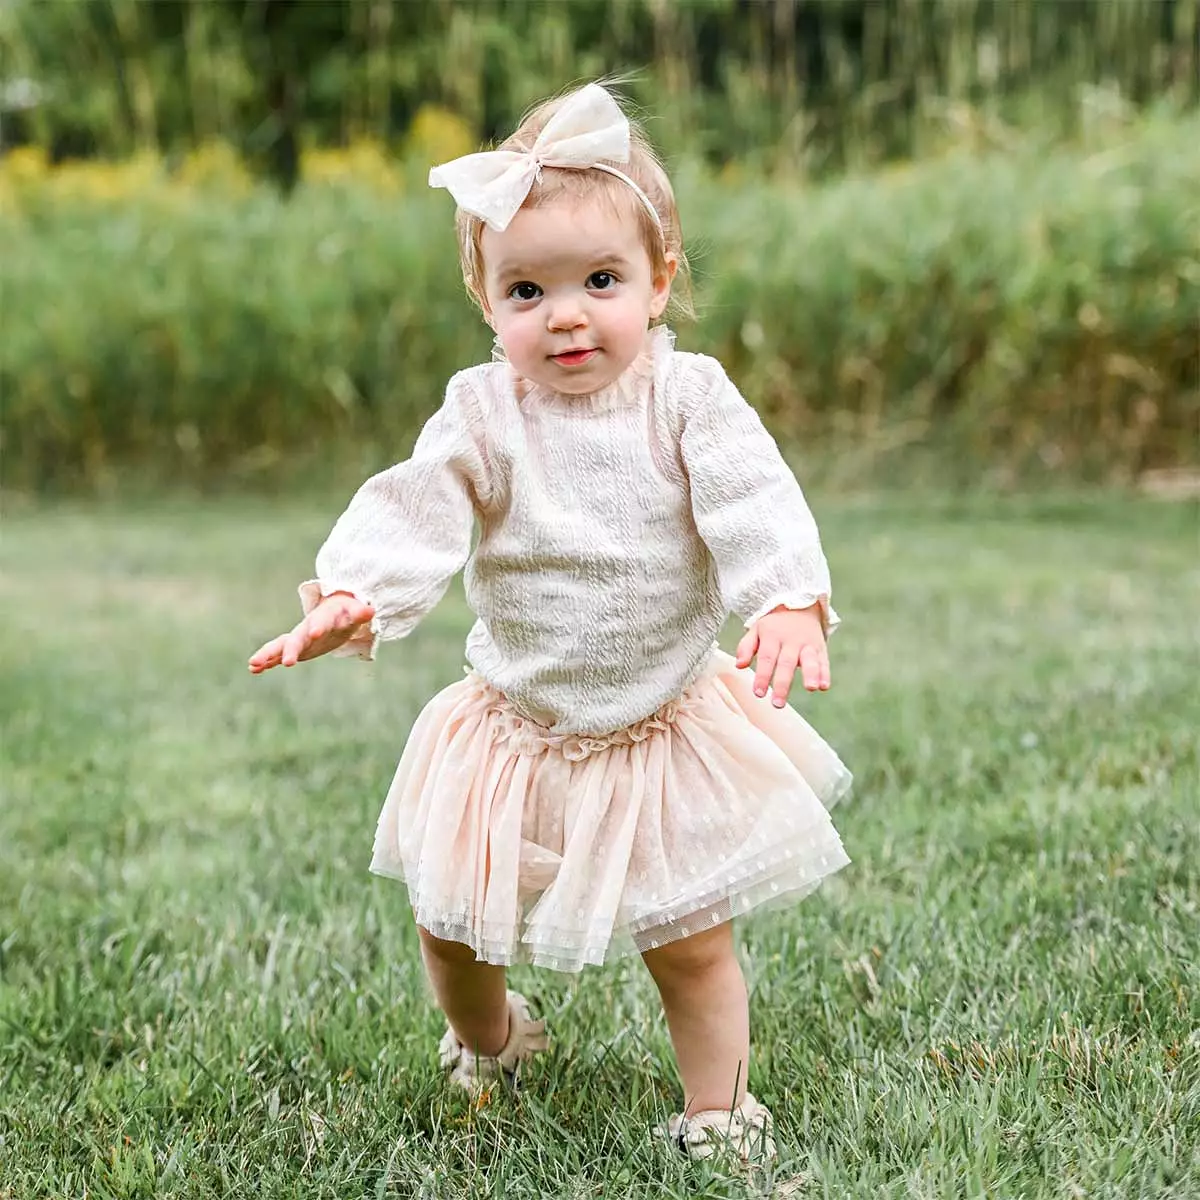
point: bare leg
(704, 998)
(471, 993)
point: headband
(588, 126)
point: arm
(393, 552)
(752, 515)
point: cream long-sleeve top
(617, 531)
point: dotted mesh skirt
(565, 850)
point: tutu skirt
(570, 849)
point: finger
(263, 653)
(746, 648)
(355, 615)
(768, 652)
(267, 655)
(826, 676)
(810, 667)
(349, 613)
(295, 644)
(785, 669)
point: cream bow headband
(588, 127)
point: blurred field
(982, 316)
(202, 992)
(816, 88)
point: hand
(786, 638)
(331, 623)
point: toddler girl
(604, 779)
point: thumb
(746, 647)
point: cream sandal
(526, 1037)
(745, 1132)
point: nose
(565, 313)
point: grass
(203, 993)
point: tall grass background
(980, 316)
(953, 239)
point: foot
(526, 1037)
(744, 1132)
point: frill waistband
(522, 735)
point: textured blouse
(616, 531)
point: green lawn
(203, 992)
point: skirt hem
(571, 954)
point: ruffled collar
(626, 391)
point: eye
(601, 281)
(524, 291)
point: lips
(574, 358)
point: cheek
(631, 315)
(505, 322)
(516, 330)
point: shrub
(1007, 312)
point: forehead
(561, 236)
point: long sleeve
(408, 530)
(748, 507)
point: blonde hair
(557, 183)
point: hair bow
(588, 126)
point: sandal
(526, 1037)
(745, 1132)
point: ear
(661, 288)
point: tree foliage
(813, 84)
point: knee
(444, 951)
(698, 955)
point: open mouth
(574, 358)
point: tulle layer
(566, 849)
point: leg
(471, 993)
(704, 998)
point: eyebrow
(520, 270)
